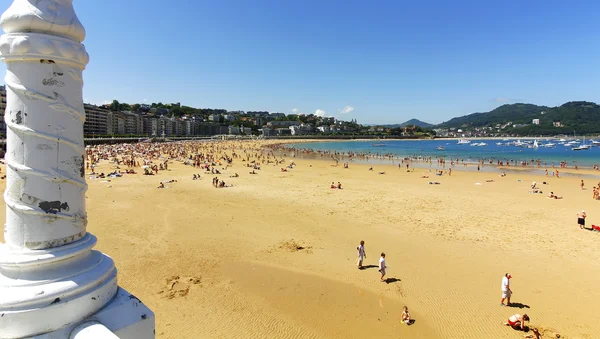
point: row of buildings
(102, 121)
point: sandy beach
(274, 256)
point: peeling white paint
(50, 278)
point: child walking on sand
(361, 254)
(382, 266)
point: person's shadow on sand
(366, 267)
(518, 305)
(411, 321)
(391, 280)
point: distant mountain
(579, 116)
(416, 122)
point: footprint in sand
(177, 286)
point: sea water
(464, 152)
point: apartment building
(95, 120)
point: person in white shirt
(361, 254)
(382, 266)
(506, 291)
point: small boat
(439, 148)
(463, 141)
(482, 144)
(518, 143)
(595, 143)
(499, 144)
(549, 145)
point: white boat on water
(581, 147)
(439, 148)
(463, 141)
(595, 143)
(482, 144)
(549, 145)
(535, 144)
(518, 143)
(499, 144)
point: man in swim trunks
(581, 219)
(517, 321)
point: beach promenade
(274, 254)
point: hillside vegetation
(579, 116)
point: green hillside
(579, 116)
(515, 113)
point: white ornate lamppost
(52, 283)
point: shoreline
(587, 170)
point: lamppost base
(125, 316)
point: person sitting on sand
(533, 185)
(382, 172)
(339, 185)
(195, 177)
(553, 196)
(517, 321)
(406, 316)
(253, 172)
(332, 185)
(425, 176)
(371, 168)
(161, 185)
(434, 183)
(234, 176)
(284, 169)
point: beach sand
(274, 256)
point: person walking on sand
(506, 291)
(581, 219)
(382, 266)
(361, 254)
(581, 184)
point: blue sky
(377, 62)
